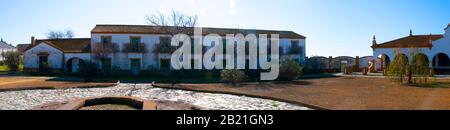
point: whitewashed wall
(31, 58)
(439, 46)
(123, 60)
(149, 59)
(442, 45)
(83, 56)
(364, 61)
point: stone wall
(337, 64)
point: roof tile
(147, 29)
(410, 41)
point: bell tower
(447, 30)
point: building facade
(133, 48)
(435, 47)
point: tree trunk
(409, 74)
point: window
(295, 47)
(134, 43)
(106, 39)
(295, 43)
(165, 42)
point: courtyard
(335, 93)
(32, 92)
(342, 93)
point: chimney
(374, 41)
(33, 41)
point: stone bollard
(431, 74)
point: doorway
(135, 66)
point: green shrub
(416, 72)
(209, 75)
(290, 70)
(88, 69)
(12, 60)
(314, 66)
(233, 76)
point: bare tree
(174, 23)
(103, 50)
(70, 34)
(52, 34)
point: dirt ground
(19, 83)
(341, 93)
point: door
(43, 63)
(343, 65)
(75, 65)
(106, 65)
(165, 65)
(135, 66)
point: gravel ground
(27, 99)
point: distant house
(133, 48)
(435, 47)
(5, 47)
(22, 47)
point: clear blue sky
(332, 27)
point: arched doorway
(385, 60)
(402, 58)
(441, 63)
(73, 64)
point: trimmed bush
(416, 72)
(233, 76)
(290, 70)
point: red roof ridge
(410, 41)
(191, 27)
(148, 29)
(62, 39)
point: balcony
(134, 48)
(164, 49)
(295, 50)
(102, 50)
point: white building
(436, 49)
(133, 48)
(5, 47)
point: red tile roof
(147, 29)
(22, 47)
(410, 41)
(72, 45)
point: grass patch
(4, 68)
(433, 85)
